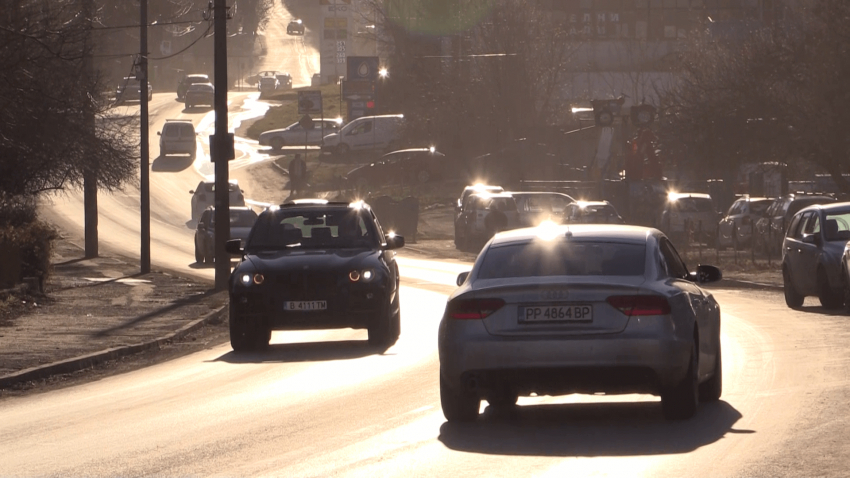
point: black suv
(314, 264)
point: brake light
(640, 305)
(473, 309)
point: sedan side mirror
(705, 274)
(461, 278)
(394, 242)
(159, 133)
(234, 246)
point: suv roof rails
(178, 120)
(313, 202)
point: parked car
(477, 188)
(406, 166)
(177, 137)
(316, 79)
(580, 309)
(296, 135)
(241, 221)
(770, 228)
(314, 264)
(129, 89)
(592, 212)
(367, 133)
(535, 207)
(204, 196)
(483, 215)
(685, 212)
(845, 276)
(736, 227)
(183, 84)
(812, 254)
(285, 80)
(200, 94)
(295, 27)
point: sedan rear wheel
(829, 298)
(680, 403)
(793, 299)
(277, 143)
(458, 406)
(711, 390)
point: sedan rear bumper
(644, 358)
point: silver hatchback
(556, 310)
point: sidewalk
(97, 310)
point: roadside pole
(219, 149)
(144, 174)
(89, 176)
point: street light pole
(220, 149)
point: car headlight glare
(366, 275)
(257, 278)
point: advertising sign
(362, 68)
(309, 102)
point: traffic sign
(309, 102)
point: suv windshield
(694, 205)
(314, 228)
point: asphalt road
(323, 404)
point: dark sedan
(407, 166)
(314, 264)
(241, 221)
(200, 94)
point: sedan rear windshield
(544, 258)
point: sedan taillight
(473, 309)
(640, 305)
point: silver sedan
(559, 309)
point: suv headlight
(248, 279)
(365, 275)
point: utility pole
(89, 175)
(220, 148)
(144, 183)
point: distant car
(565, 309)
(406, 166)
(267, 85)
(314, 264)
(736, 227)
(183, 84)
(296, 135)
(316, 79)
(295, 27)
(812, 255)
(241, 221)
(483, 215)
(366, 134)
(477, 188)
(204, 196)
(129, 90)
(592, 212)
(534, 207)
(694, 211)
(177, 137)
(285, 80)
(200, 94)
(770, 228)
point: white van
(177, 137)
(367, 133)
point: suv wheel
(680, 402)
(199, 256)
(246, 337)
(793, 299)
(381, 331)
(458, 405)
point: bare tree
(46, 141)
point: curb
(89, 360)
